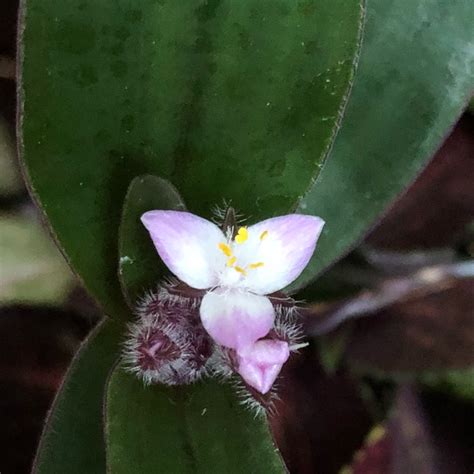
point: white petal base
(235, 318)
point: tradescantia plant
(159, 112)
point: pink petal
(260, 363)
(187, 244)
(235, 318)
(285, 250)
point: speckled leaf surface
(72, 439)
(140, 268)
(228, 100)
(194, 429)
(413, 79)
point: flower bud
(167, 344)
(260, 363)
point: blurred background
(388, 379)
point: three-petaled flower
(238, 269)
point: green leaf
(228, 100)
(140, 268)
(31, 268)
(413, 80)
(194, 429)
(72, 439)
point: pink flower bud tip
(261, 362)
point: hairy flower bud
(167, 344)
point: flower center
(241, 237)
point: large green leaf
(413, 80)
(140, 268)
(229, 100)
(196, 429)
(72, 440)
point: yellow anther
(256, 265)
(242, 235)
(264, 235)
(231, 261)
(226, 249)
(240, 270)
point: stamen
(240, 270)
(226, 249)
(231, 261)
(242, 235)
(256, 265)
(264, 235)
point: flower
(237, 269)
